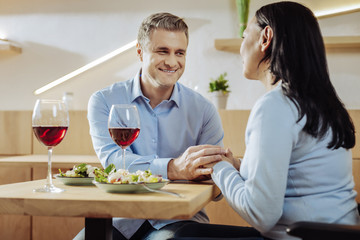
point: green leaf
(219, 84)
(61, 173)
(109, 168)
(101, 175)
(134, 178)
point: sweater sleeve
(257, 191)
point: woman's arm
(257, 191)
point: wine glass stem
(49, 176)
(123, 158)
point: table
(58, 161)
(23, 168)
(98, 207)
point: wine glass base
(49, 188)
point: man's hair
(166, 21)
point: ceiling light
(86, 67)
(337, 11)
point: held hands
(191, 164)
(228, 156)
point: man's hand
(229, 158)
(190, 165)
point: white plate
(78, 181)
(129, 188)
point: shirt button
(153, 140)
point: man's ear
(266, 37)
(139, 51)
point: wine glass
(50, 122)
(124, 125)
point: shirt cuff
(160, 166)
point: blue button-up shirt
(186, 119)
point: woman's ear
(139, 51)
(266, 36)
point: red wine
(124, 137)
(50, 136)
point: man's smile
(167, 71)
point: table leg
(98, 228)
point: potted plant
(219, 90)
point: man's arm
(191, 164)
(106, 149)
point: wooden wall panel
(15, 226)
(77, 140)
(356, 174)
(11, 175)
(44, 228)
(234, 123)
(16, 131)
(41, 172)
(355, 115)
(220, 212)
(56, 228)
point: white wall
(59, 36)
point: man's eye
(180, 53)
(162, 52)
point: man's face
(163, 58)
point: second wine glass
(124, 126)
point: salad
(110, 175)
(82, 170)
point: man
(178, 125)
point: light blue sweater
(286, 175)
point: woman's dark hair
(297, 58)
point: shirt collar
(175, 96)
(136, 92)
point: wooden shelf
(341, 42)
(228, 45)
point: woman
(298, 164)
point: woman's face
(250, 51)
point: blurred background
(59, 36)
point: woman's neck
(268, 80)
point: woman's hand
(228, 157)
(192, 164)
